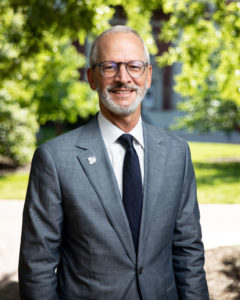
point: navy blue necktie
(132, 186)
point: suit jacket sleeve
(188, 252)
(41, 231)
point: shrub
(18, 129)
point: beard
(119, 109)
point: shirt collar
(111, 132)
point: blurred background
(195, 54)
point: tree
(36, 86)
(38, 58)
(39, 63)
(38, 21)
(18, 128)
(47, 69)
(59, 94)
(205, 38)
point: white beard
(118, 109)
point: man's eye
(108, 67)
(134, 67)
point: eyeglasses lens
(134, 68)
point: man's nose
(122, 75)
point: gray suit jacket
(76, 241)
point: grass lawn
(217, 168)
(13, 186)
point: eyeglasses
(135, 68)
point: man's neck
(125, 122)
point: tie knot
(126, 140)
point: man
(107, 220)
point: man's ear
(149, 76)
(91, 79)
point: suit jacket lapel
(154, 158)
(102, 178)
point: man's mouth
(122, 90)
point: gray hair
(112, 30)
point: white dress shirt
(116, 151)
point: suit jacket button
(140, 270)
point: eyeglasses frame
(145, 64)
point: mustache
(123, 86)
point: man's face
(122, 93)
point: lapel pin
(92, 160)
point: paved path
(220, 226)
(10, 231)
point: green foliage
(205, 39)
(27, 25)
(39, 64)
(18, 124)
(58, 93)
(18, 127)
(38, 85)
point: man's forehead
(120, 42)
(113, 36)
